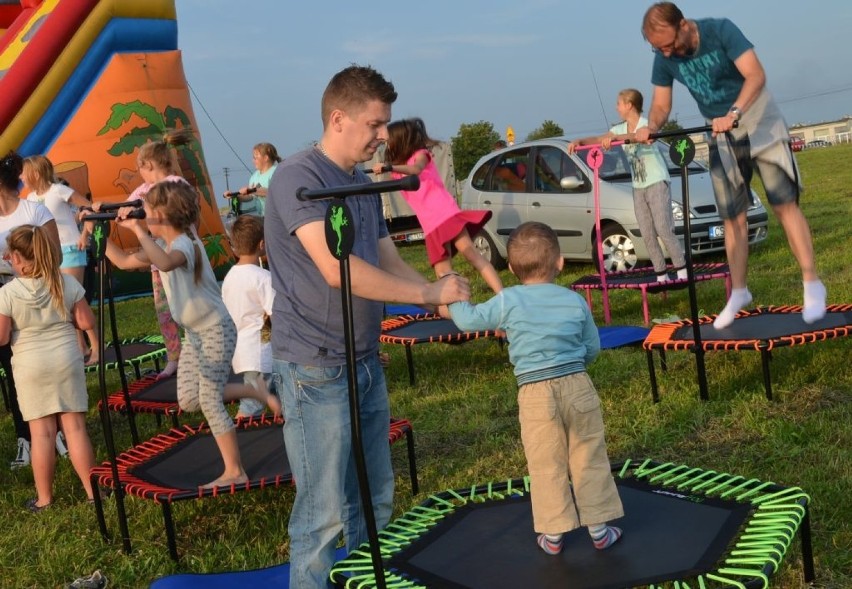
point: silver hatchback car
(540, 181)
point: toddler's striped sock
(604, 536)
(550, 543)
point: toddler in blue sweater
(552, 338)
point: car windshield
(616, 164)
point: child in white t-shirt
(248, 295)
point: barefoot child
(552, 338)
(171, 209)
(446, 227)
(40, 311)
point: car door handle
(486, 202)
(535, 204)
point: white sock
(814, 307)
(682, 274)
(740, 297)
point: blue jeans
(317, 437)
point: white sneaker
(682, 274)
(61, 448)
(23, 457)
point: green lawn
(465, 418)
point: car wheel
(486, 248)
(619, 253)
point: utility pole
(227, 171)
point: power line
(215, 126)
(817, 94)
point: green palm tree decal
(215, 249)
(156, 125)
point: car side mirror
(571, 183)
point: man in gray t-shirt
(309, 356)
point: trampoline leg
(652, 373)
(175, 420)
(169, 524)
(412, 460)
(663, 364)
(767, 381)
(645, 312)
(99, 508)
(807, 548)
(5, 393)
(409, 358)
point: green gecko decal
(681, 146)
(98, 236)
(338, 221)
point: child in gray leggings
(171, 211)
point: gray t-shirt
(307, 317)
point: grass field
(465, 418)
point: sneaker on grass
(23, 457)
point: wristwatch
(735, 110)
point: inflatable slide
(86, 82)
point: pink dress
(438, 212)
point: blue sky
(258, 67)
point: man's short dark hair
(352, 88)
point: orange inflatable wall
(136, 98)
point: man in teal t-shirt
(719, 66)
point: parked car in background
(818, 143)
(540, 181)
(797, 143)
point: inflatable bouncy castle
(86, 82)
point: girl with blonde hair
(40, 311)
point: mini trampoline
(427, 328)
(645, 281)
(150, 395)
(135, 352)
(171, 466)
(761, 329)
(684, 527)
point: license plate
(415, 236)
(717, 231)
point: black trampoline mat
(165, 391)
(423, 330)
(160, 391)
(764, 326)
(196, 460)
(637, 278)
(131, 351)
(492, 544)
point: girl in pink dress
(446, 227)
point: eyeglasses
(668, 47)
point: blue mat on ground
(614, 336)
(404, 310)
(275, 576)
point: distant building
(839, 131)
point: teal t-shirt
(257, 205)
(710, 75)
(647, 165)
